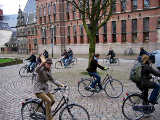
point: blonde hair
(145, 58)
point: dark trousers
(98, 80)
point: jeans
(49, 101)
(98, 80)
(65, 61)
(70, 59)
(31, 66)
(155, 93)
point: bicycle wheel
(23, 71)
(82, 85)
(74, 60)
(113, 88)
(58, 65)
(32, 111)
(74, 112)
(128, 105)
(117, 61)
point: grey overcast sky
(11, 6)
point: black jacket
(111, 53)
(45, 54)
(93, 66)
(147, 72)
(32, 58)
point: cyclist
(32, 64)
(65, 58)
(92, 71)
(112, 55)
(70, 55)
(41, 85)
(145, 84)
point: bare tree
(97, 13)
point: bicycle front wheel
(32, 111)
(23, 71)
(128, 105)
(82, 87)
(113, 88)
(58, 65)
(74, 112)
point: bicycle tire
(133, 99)
(70, 112)
(82, 85)
(58, 65)
(22, 71)
(37, 115)
(113, 85)
(117, 61)
(75, 60)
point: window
(49, 18)
(81, 34)
(54, 8)
(40, 20)
(43, 33)
(123, 5)
(44, 11)
(134, 5)
(134, 30)
(146, 3)
(40, 12)
(105, 33)
(114, 6)
(49, 9)
(114, 31)
(68, 35)
(75, 34)
(146, 29)
(123, 29)
(54, 34)
(45, 19)
(67, 11)
(74, 12)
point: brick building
(133, 24)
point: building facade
(27, 29)
(133, 24)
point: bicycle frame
(61, 103)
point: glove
(105, 68)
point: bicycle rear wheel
(82, 85)
(74, 60)
(23, 72)
(74, 112)
(32, 110)
(128, 105)
(58, 65)
(113, 88)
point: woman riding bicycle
(92, 70)
(41, 86)
(145, 84)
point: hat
(145, 58)
(49, 61)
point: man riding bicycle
(145, 84)
(32, 64)
(92, 70)
(111, 53)
(41, 86)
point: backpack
(135, 73)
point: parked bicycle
(133, 107)
(24, 71)
(34, 109)
(60, 64)
(112, 87)
(106, 60)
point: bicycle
(60, 64)
(36, 110)
(135, 103)
(106, 60)
(112, 87)
(24, 72)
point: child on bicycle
(92, 71)
(145, 84)
(41, 86)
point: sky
(11, 6)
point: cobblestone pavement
(13, 91)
